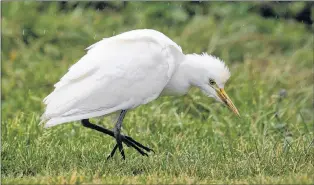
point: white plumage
(125, 71)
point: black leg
(86, 123)
(130, 142)
(113, 151)
(117, 132)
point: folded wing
(115, 74)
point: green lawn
(196, 140)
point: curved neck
(180, 82)
(196, 70)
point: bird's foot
(130, 142)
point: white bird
(127, 70)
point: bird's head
(210, 74)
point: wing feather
(113, 75)
(140, 34)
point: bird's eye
(212, 82)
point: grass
(196, 139)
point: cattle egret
(127, 70)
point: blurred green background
(267, 45)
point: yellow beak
(225, 98)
